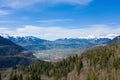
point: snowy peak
(14, 36)
(113, 35)
(4, 35)
(8, 35)
(110, 36)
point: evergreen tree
(79, 66)
(27, 77)
(20, 77)
(15, 77)
(0, 77)
(11, 76)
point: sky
(53, 19)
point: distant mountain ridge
(30, 42)
(109, 36)
(115, 40)
(35, 44)
(95, 36)
(60, 48)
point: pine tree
(79, 65)
(0, 77)
(20, 77)
(27, 77)
(15, 77)
(11, 76)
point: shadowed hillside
(13, 55)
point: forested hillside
(98, 64)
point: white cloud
(54, 20)
(80, 2)
(18, 3)
(23, 3)
(6, 21)
(52, 33)
(4, 12)
(5, 30)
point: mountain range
(55, 50)
(23, 50)
(47, 50)
(35, 44)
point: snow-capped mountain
(14, 37)
(34, 44)
(28, 42)
(109, 36)
(4, 35)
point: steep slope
(115, 40)
(13, 55)
(9, 48)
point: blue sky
(61, 14)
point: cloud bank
(52, 33)
(4, 12)
(24, 3)
(54, 20)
